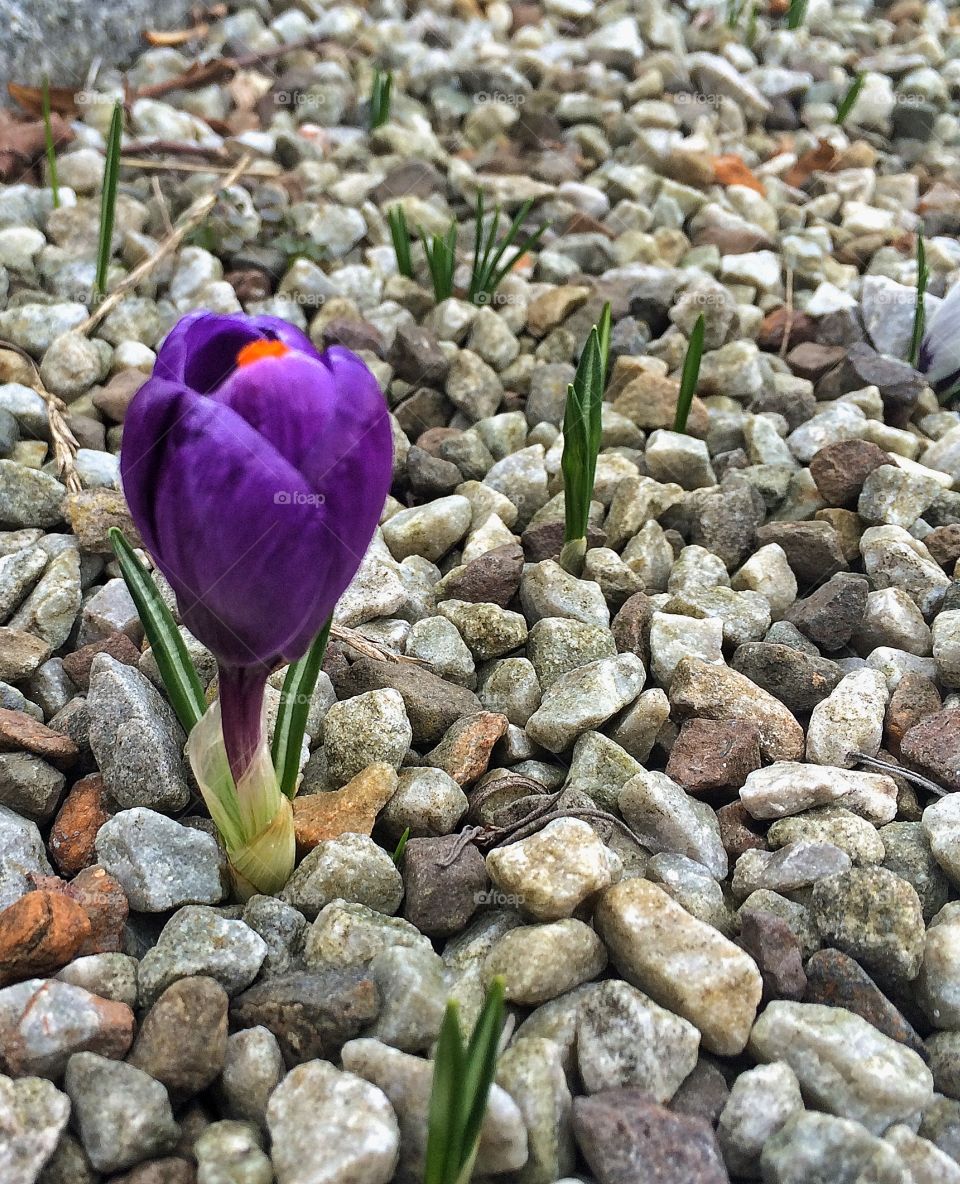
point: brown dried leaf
(817, 160)
(170, 38)
(62, 98)
(22, 143)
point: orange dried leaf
(174, 37)
(731, 170)
(817, 160)
(62, 99)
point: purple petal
(940, 349)
(201, 349)
(241, 536)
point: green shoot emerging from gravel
(441, 252)
(400, 235)
(108, 197)
(380, 98)
(849, 100)
(734, 12)
(581, 441)
(462, 1076)
(489, 267)
(401, 846)
(919, 312)
(295, 700)
(796, 14)
(688, 379)
(48, 143)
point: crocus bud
(940, 349)
(256, 470)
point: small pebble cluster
(696, 805)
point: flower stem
(241, 707)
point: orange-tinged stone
(351, 810)
(731, 170)
(20, 732)
(102, 899)
(40, 933)
(74, 831)
(464, 752)
(817, 160)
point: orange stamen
(253, 351)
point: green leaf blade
(108, 198)
(690, 375)
(295, 700)
(176, 669)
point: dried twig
(874, 762)
(191, 218)
(64, 442)
(367, 648)
(258, 168)
(218, 69)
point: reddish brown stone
(115, 397)
(933, 747)
(491, 578)
(712, 754)
(545, 540)
(77, 665)
(812, 360)
(464, 752)
(74, 830)
(40, 933)
(20, 732)
(914, 699)
(631, 626)
(840, 470)
(249, 283)
(102, 899)
(773, 945)
(774, 325)
(943, 543)
(835, 979)
(441, 893)
(350, 810)
(736, 831)
(812, 549)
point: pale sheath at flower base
(256, 469)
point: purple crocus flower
(255, 469)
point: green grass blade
(691, 372)
(848, 101)
(796, 14)
(919, 311)
(400, 236)
(480, 1068)
(528, 244)
(295, 699)
(583, 430)
(108, 197)
(380, 93)
(751, 34)
(401, 846)
(446, 1099)
(49, 144)
(176, 669)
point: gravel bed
(719, 857)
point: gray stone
(252, 1071)
(122, 1114)
(367, 728)
(232, 1152)
(29, 785)
(844, 1064)
(197, 940)
(331, 1127)
(22, 855)
(812, 1148)
(412, 984)
(51, 608)
(160, 864)
(19, 571)
(666, 818)
(33, 1115)
(625, 1039)
(136, 738)
(346, 934)
(531, 1072)
(583, 699)
(760, 1102)
(350, 867)
(29, 497)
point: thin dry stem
(367, 648)
(64, 442)
(189, 220)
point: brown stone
(77, 665)
(545, 540)
(74, 831)
(40, 933)
(650, 400)
(20, 653)
(552, 308)
(182, 1042)
(102, 899)
(737, 831)
(933, 747)
(943, 543)
(432, 438)
(115, 396)
(773, 945)
(732, 170)
(441, 897)
(464, 752)
(913, 700)
(20, 732)
(350, 810)
(491, 578)
(92, 512)
(170, 1170)
(249, 283)
(812, 549)
(714, 754)
(626, 1138)
(631, 626)
(840, 469)
(811, 360)
(831, 615)
(775, 324)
